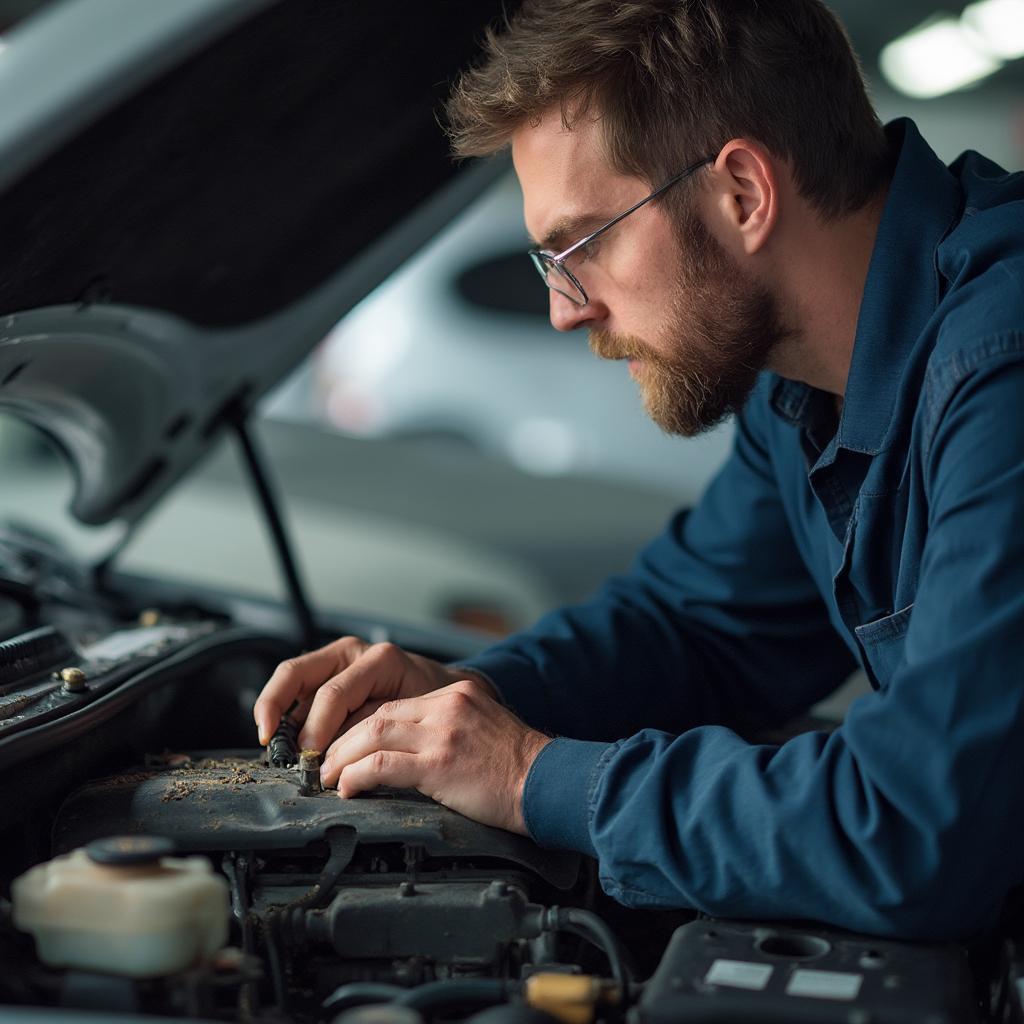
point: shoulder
(979, 329)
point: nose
(567, 316)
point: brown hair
(674, 80)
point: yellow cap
(569, 997)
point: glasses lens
(557, 279)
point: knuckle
(459, 700)
(378, 727)
(288, 667)
(388, 708)
(332, 690)
(350, 645)
(379, 762)
(386, 651)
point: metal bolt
(149, 617)
(309, 773)
(406, 889)
(74, 680)
(499, 888)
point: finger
(376, 675)
(298, 679)
(381, 768)
(373, 734)
(371, 707)
(296, 713)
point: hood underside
(170, 261)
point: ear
(748, 193)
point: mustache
(617, 346)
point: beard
(721, 329)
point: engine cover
(236, 801)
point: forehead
(565, 175)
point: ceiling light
(997, 27)
(935, 58)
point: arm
(909, 820)
(717, 621)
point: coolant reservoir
(121, 906)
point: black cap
(127, 850)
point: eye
(585, 253)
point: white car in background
(456, 345)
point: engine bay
(139, 817)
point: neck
(826, 267)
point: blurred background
(445, 455)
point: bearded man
(713, 200)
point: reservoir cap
(123, 851)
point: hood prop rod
(269, 505)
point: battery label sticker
(824, 984)
(739, 974)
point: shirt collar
(900, 295)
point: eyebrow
(569, 230)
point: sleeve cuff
(558, 791)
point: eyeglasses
(553, 269)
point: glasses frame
(543, 259)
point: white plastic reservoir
(122, 907)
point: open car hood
(192, 194)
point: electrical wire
(437, 995)
(359, 993)
(587, 925)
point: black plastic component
(716, 972)
(257, 806)
(454, 923)
(32, 653)
(512, 1013)
(284, 751)
(379, 1013)
(454, 993)
(129, 851)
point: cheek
(640, 290)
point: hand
(343, 683)
(457, 745)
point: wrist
(533, 743)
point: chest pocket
(882, 645)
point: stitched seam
(610, 884)
(595, 777)
(943, 379)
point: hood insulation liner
(236, 183)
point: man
(860, 307)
